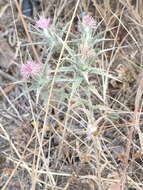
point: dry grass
(84, 135)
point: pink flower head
(30, 69)
(88, 21)
(43, 23)
(86, 52)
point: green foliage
(79, 62)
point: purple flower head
(43, 22)
(88, 21)
(30, 69)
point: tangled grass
(77, 98)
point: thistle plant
(79, 59)
(49, 33)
